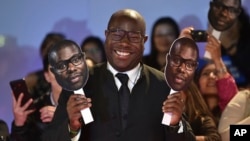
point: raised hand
(21, 113)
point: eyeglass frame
(66, 62)
(127, 33)
(182, 60)
(232, 11)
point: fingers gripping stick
(86, 113)
(167, 116)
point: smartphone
(19, 86)
(199, 35)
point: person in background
(4, 131)
(237, 112)
(199, 116)
(29, 124)
(231, 19)
(148, 98)
(93, 47)
(213, 79)
(164, 31)
(36, 82)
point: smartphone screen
(19, 86)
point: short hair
(58, 46)
(220, 0)
(185, 41)
(49, 40)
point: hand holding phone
(19, 86)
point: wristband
(222, 70)
(73, 133)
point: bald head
(128, 13)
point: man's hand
(75, 104)
(174, 104)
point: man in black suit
(148, 98)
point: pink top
(227, 89)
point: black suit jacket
(144, 116)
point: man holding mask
(148, 92)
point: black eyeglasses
(232, 11)
(76, 60)
(176, 61)
(118, 35)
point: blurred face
(164, 36)
(180, 67)
(223, 13)
(50, 78)
(124, 44)
(92, 51)
(207, 81)
(70, 68)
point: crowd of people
(206, 90)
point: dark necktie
(124, 98)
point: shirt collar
(132, 74)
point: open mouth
(122, 53)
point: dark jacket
(144, 117)
(205, 126)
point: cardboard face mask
(72, 73)
(178, 71)
(217, 17)
(175, 82)
(74, 79)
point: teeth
(122, 53)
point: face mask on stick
(221, 21)
(179, 71)
(74, 78)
